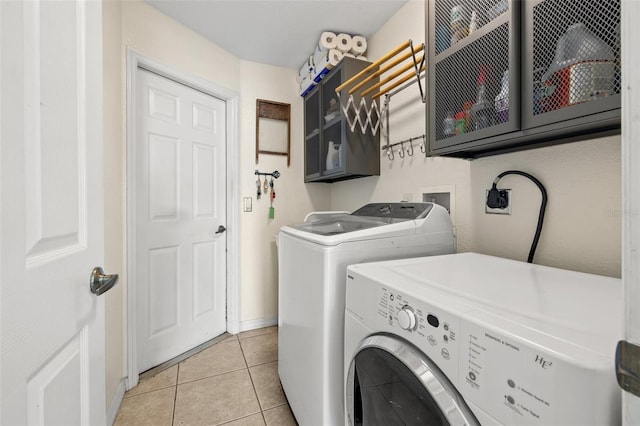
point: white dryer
(469, 339)
(312, 261)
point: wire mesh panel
(472, 86)
(576, 52)
(456, 19)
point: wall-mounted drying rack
(409, 149)
(275, 174)
(413, 60)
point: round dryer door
(390, 382)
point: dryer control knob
(407, 318)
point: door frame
(137, 60)
(630, 191)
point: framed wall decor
(273, 129)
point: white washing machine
(312, 262)
(469, 339)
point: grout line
(254, 389)
(265, 330)
(178, 359)
(263, 363)
(212, 376)
(175, 397)
(252, 383)
(240, 418)
(149, 391)
(243, 355)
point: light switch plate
(246, 204)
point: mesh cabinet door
(474, 82)
(572, 62)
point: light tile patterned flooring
(234, 382)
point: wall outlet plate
(506, 210)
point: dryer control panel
(431, 329)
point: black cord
(543, 205)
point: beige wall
(582, 225)
(582, 228)
(294, 199)
(412, 175)
(133, 24)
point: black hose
(543, 206)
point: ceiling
(277, 32)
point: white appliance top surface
(580, 308)
(376, 220)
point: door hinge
(628, 367)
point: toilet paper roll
(359, 45)
(319, 56)
(306, 67)
(301, 78)
(306, 86)
(327, 41)
(344, 42)
(329, 60)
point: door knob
(100, 283)
(221, 229)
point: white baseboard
(116, 402)
(258, 323)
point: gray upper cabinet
(334, 152)
(506, 75)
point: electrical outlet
(506, 210)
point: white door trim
(630, 191)
(137, 60)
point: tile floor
(234, 382)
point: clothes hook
(410, 149)
(390, 153)
(422, 145)
(401, 150)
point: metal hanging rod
(275, 174)
(409, 150)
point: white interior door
(180, 205)
(52, 334)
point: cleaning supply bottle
(473, 25)
(481, 110)
(502, 99)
